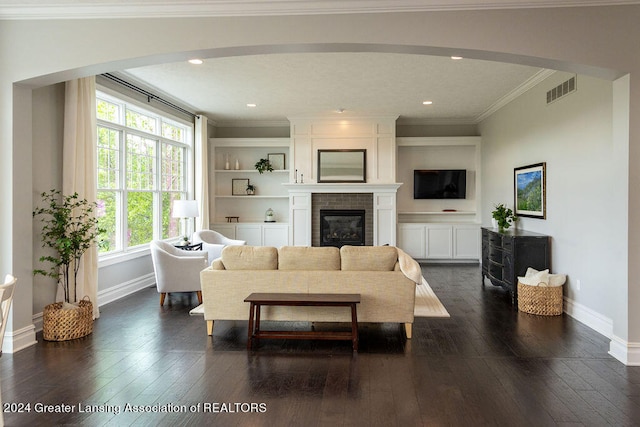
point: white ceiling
(303, 84)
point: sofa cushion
(250, 258)
(308, 258)
(368, 258)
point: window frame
(123, 251)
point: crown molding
(533, 81)
(252, 123)
(84, 9)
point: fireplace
(340, 227)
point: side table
(190, 247)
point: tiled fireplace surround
(344, 201)
(378, 201)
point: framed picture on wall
(530, 188)
(342, 165)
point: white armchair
(177, 270)
(213, 242)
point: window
(143, 160)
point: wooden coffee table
(257, 300)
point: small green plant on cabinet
(70, 228)
(263, 165)
(504, 216)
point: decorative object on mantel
(269, 216)
(295, 177)
(239, 186)
(530, 188)
(263, 165)
(70, 228)
(251, 189)
(504, 217)
(232, 218)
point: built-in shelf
(252, 197)
(249, 171)
(439, 213)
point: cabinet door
(411, 239)
(275, 235)
(251, 233)
(226, 230)
(439, 241)
(466, 242)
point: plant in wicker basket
(69, 228)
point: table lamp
(185, 209)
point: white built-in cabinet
(439, 230)
(440, 241)
(255, 234)
(241, 154)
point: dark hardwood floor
(486, 365)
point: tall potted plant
(69, 228)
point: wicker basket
(541, 300)
(63, 325)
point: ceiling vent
(563, 89)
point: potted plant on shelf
(251, 189)
(69, 229)
(504, 217)
(263, 165)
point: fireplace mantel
(384, 209)
(341, 187)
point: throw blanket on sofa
(410, 267)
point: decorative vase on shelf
(237, 164)
(226, 163)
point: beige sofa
(387, 294)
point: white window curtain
(201, 172)
(79, 169)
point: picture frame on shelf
(530, 190)
(277, 161)
(239, 186)
(348, 165)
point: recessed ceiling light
(252, 105)
(196, 61)
(456, 57)
(427, 102)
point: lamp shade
(185, 209)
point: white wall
(586, 188)
(48, 121)
(48, 124)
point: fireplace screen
(341, 227)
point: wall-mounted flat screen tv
(439, 183)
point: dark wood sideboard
(507, 255)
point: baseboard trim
(626, 352)
(114, 293)
(17, 340)
(117, 292)
(596, 321)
